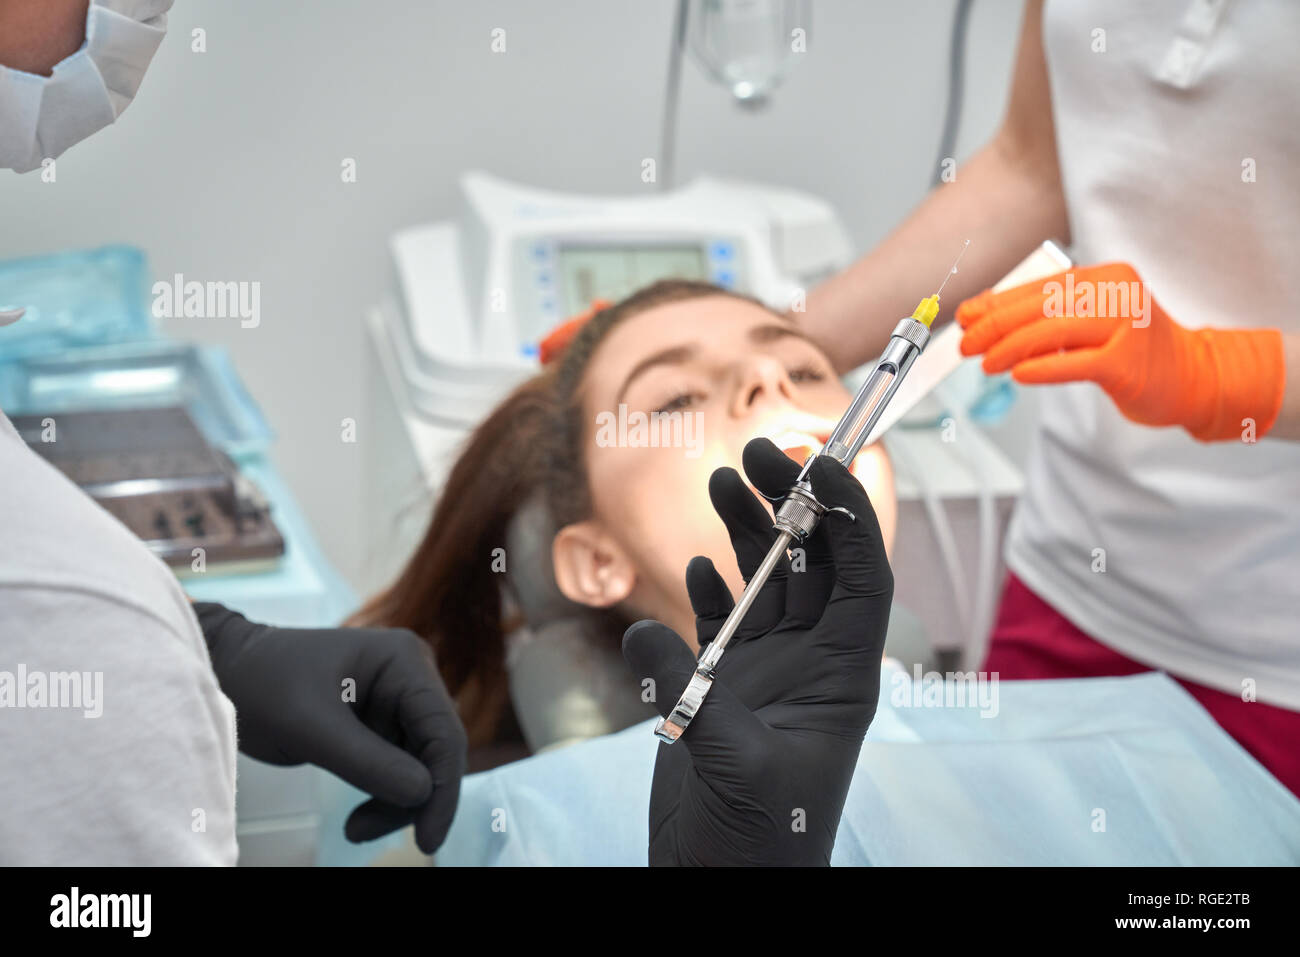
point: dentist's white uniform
(151, 780)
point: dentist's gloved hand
(1156, 371)
(367, 704)
(761, 774)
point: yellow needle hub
(926, 310)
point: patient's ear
(590, 566)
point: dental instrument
(800, 512)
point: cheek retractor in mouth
(800, 453)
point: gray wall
(227, 165)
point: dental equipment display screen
(612, 272)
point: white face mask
(41, 116)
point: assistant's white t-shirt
(79, 593)
(1201, 541)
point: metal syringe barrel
(800, 512)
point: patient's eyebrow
(774, 330)
(674, 356)
(679, 354)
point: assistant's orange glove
(1099, 324)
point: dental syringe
(800, 511)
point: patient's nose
(763, 381)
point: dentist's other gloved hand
(761, 774)
(367, 704)
(1097, 327)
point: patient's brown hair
(533, 441)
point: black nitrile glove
(367, 704)
(761, 774)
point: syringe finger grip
(799, 514)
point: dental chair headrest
(530, 572)
(568, 679)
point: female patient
(623, 490)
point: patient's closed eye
(807, 373)
(681, 401)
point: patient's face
(734, 371)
